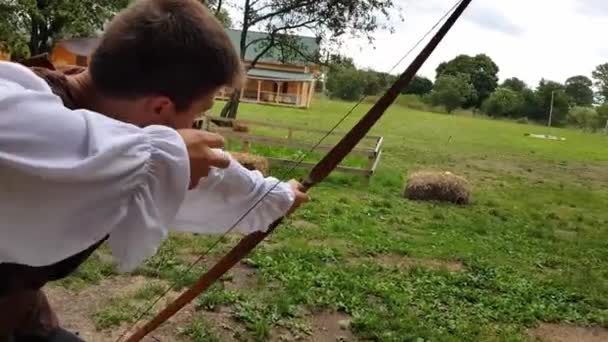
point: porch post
(311, 92)
(299, 91)
(259, 89)
(280, 85)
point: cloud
(593, 7)
(491, 19)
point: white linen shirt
(70, 177)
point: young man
(113, 159)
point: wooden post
(299, 91)
(289, 133)
(242, 92)
(278, 94)
(259, 89)
(311, 91)
(305, 92)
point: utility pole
(551, 109)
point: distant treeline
(471, 82)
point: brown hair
(174, 48)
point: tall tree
(38, 23)
(579, 89)
(419, 86)
(280, 19)
(514, 84)
(600, 76)
(482, 71)
(452, 91)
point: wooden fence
(370, 147)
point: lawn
(361, 263)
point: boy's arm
(229, 195)
(69, 178)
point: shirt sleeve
(69, 178)
(236, 197)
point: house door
(81, 60)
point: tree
(482, 71)
(579, 89)
(373, 83)
(335, 60)
(419, 86)
(504, 102)
(514, 84)
(38, 24)
(219, 11)
(600, 75)
(561, 101)
(452, 91)
(326, 19)
(531, 106)
(346, 83)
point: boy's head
(167, 58)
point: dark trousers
(28, 313)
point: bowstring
(299, 161)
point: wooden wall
(61, 56)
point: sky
(528, 39)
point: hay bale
(252, 162)
(438, 186)
(240, 127)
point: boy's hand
(200, 147)
(301, 197)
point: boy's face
(185, 119)
(160, 110)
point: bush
(412, 102)
(346, 83)
(503, 102)
(584, 117)
(452, 91)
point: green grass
(534, 242)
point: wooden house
(5, 55)
(75, 51)
(272, 80)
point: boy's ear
(161, 106)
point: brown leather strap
(17, 277)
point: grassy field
(362, 263)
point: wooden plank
(375, 166)
(295, 129)
(281, 142)
(379, 145)
(307, 165)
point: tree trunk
(232, 106)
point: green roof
(309, 46)
(279, 75)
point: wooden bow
(317, 174)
